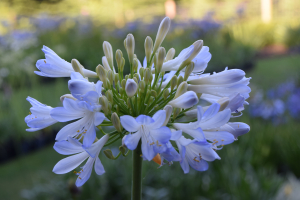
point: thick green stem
(136, 187)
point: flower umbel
(155, 110)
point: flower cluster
(155, 108)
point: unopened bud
(109, 95)
(116, 77)
(108, 52)
(160, 59)
(168, 109)
(123, 84)
(101, 72)
(199, 95)
(223, 103)
(122, 65)
(116, 122)
(176, 112)
(197, 48)
(166, 94)
(119, 56)
(147, 76)
(162, 32)
(105, 64)
(104, 103)
(188, 70)
(110, 76)
(153, 93)
(136, 76)
(173, 82)
(130, 87)
(179, 80)
(135, 79)
(77, 66)
(130, 45)
(142, 85)
(141, 71)
(182, 88)
(108, 153)
(122, 149)
(135, 65)
(151, 99)
(170, 55)
(148, 48)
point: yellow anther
(238, 126)
(196, 159)
(152, 143)
(79, 177)
(222, 140)
(29, 113)
(75, 172)
(78, 131)
(222, 145)
(45, 61)
(214, 140)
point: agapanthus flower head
(155, 109)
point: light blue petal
(99, 169)
(91, 97)
(201, 165)
(98, 87)
(162, 134)
(147, 150)
(89, 136)
(129, 123)
(211, 111)
(144, 120)
(131, 140)
(217, 121)
(85, 173)
(66, 148)
(70, 130)
(159, 118)
(62, 115)
(98, 118)
(176, 135)
(219, 137)
(185, 166)
(67, 164)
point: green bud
(142, 85)
(161, 33)
(142, 70)
(122, 149)
(77, 66)
(135, 65)
(110, 76)
(199, 95)
(116, 78)
(108, 153)
(148, 48)
(126, 77)
(121, 91)
(151, 99)
(109, 95)
(197, 48)
(170, 55)
(223, 103)
(122, 64)
(119, 56)
(104, 103)
(135, 79)
(147, 76)
(182, 88)
(123, 83)
(153, 93)
(180, 80)
(116, 122)
(130, 45)
(108, 52)
(176, 112)
(101, 73)
(108, 84)
(160, 59)
(173, 82)
(136, 76)
(188, 70)
(166, 94)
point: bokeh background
(261, 37)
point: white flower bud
(116, 122)
(105, 64)
(188, 71)
(131, 87)
(185, 101)
(77, 66)
(160, 59)
(182, 88)
(162, 32)
(197, 48)
(168, 110)
(170, 55)
(101, 73)
(130, 45)
(108, 52)
(148, 48)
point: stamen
(45, 61)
